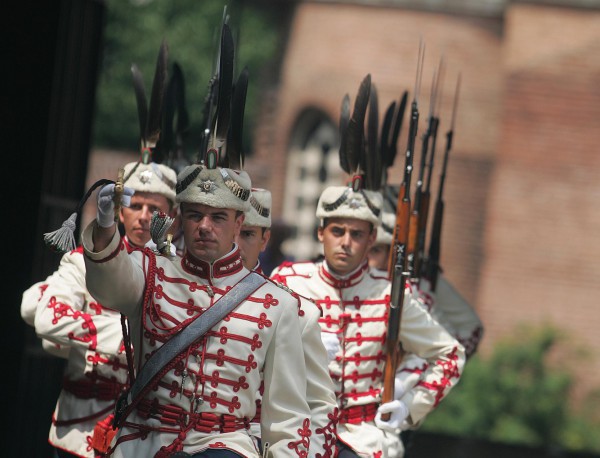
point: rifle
(425, 194)
(415, 214)
(398, 259)
(433, 260)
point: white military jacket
(320, 394)
(90, 337)
(355, 308)
(205, 398)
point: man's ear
(372, 237)
(239, 222)
(320, 230)
(265, 239)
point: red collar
(349, 280)
(229, 264)
(258, 268)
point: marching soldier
(354, 301)
(356, 304)
(320, 396)
(67, 317)
(202, 396)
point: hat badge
(207, 186)
(145, 176)
(354, 203)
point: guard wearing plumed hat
(206, 331)
(355, 301)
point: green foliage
(516, 396)
(133, 33)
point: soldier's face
(378, 256)
(252, 240)
(346, 242)
(209, 232)
(136, 218)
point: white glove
(105, 214)
(399, 413)
(331, 343)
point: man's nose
(146, 213)
(204, 224)
(346, 239)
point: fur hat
(345, 202)
(385, 232)
(217, 187)
(259, 213)
(151, 177)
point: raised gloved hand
(331, 343)
(399, 413)
(105, 214)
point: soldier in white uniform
(71, 322)
(320, 395)
(355, 301)
(203, 399)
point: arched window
(312, 165)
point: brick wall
(542, 251)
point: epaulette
(284, 287)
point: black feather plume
(344, 120)
(172, 131)
(225, 83)
(398, 119)
(157, 96)
(371, 163)
(142, 104)
(235, 151)
(355, 133)
(183, 119)
(384, 147)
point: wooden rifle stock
(398, 279)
